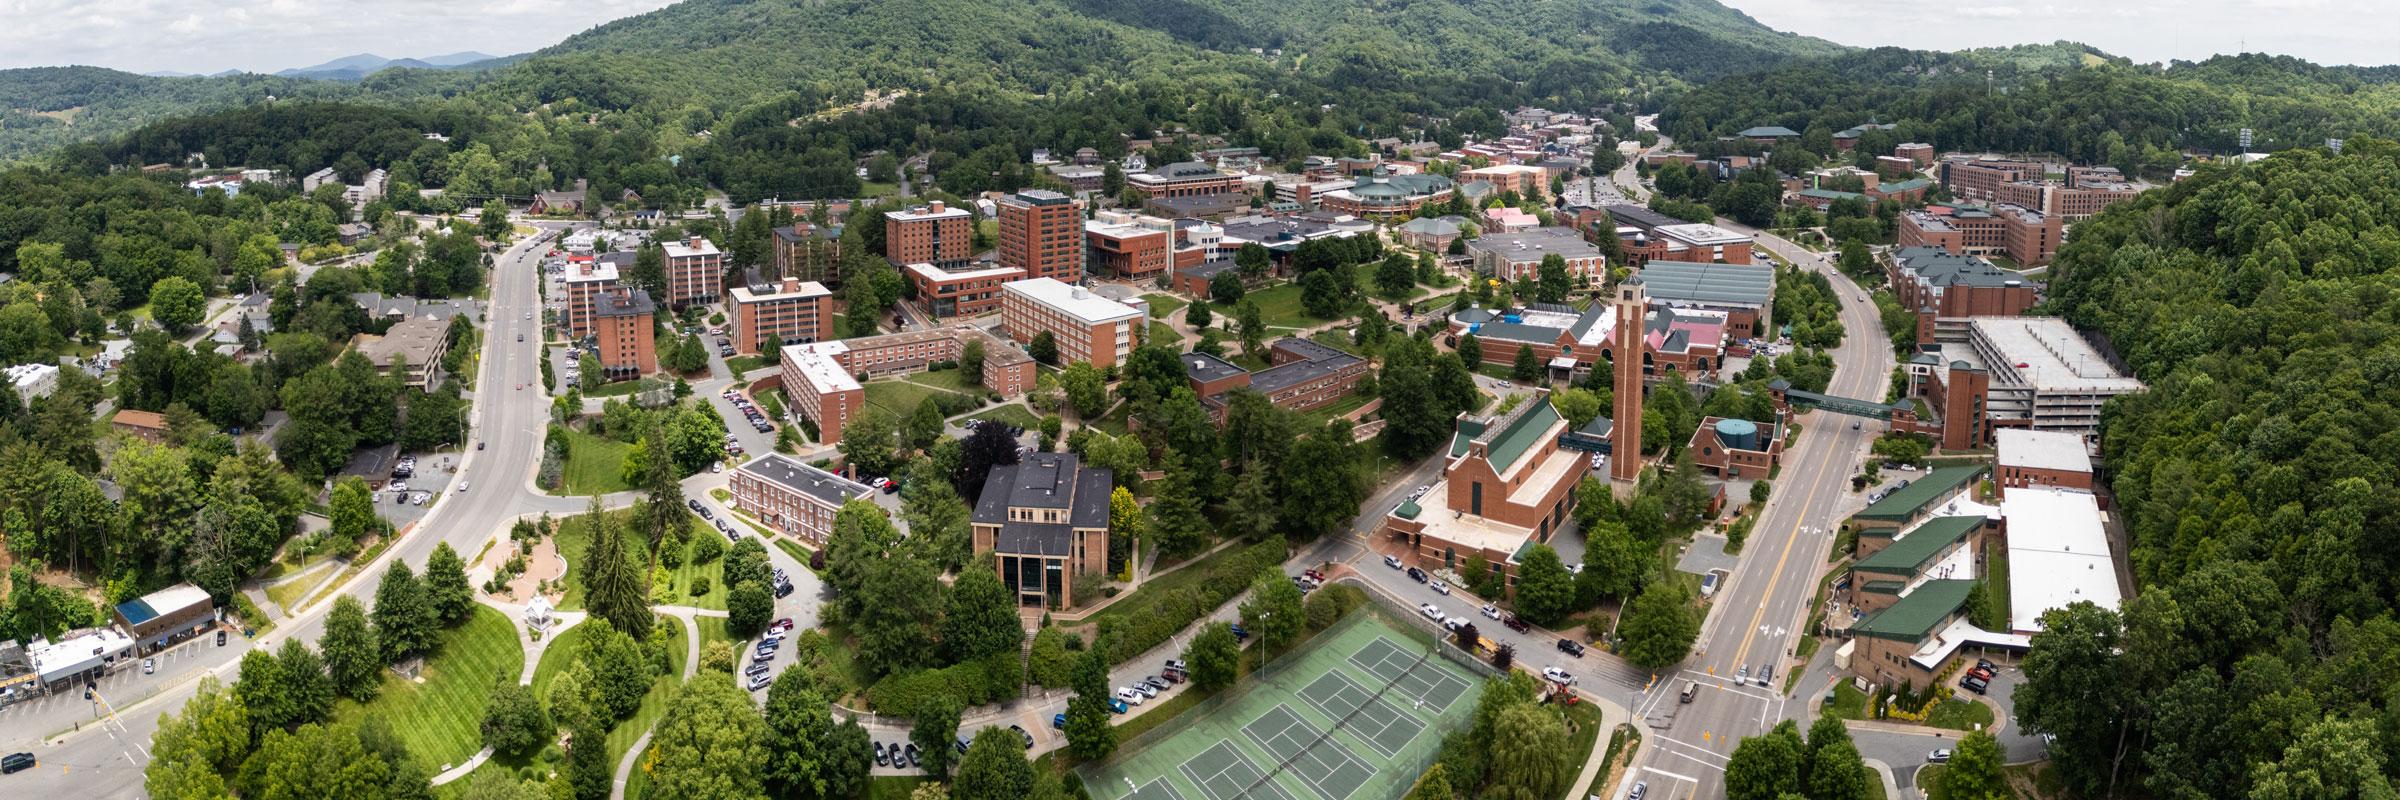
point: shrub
(1152, 624)
(700, 585)
(982, 681)
(1053, 661)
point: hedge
(1054, 654)
(1174, 610)
(973, 683)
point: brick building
(1509, 256)
(802, 251)
(821, 380)
(1045, 520)
(1740, 291)
(792, 498)
(695, 272)
(933, 233)
(794, 311)
(1918, 153)
(2030, 237)
(1735, 449)
(1979, 178)
(1086, 326)
(1388, 196)
(585, 282)
(1194, 280)
(1184, 179)
(624, 334)
(2016, 372)
(1944, 290)
(1129, 246)
(1040, 234)
(1505, 486)
(1528, 181)
(2042, 458)
(1305, 376)
(963, 292)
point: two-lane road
(1758, 614)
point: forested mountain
(2040, 100)
(2256, 477)
(702, 59)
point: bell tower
(1625, 439)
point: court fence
(1398, 772)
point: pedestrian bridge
(1844, 405)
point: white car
(1454, 623)
(1144, 690)
(462, 487)
(1391, 561)
(1431, 611)
(1491, 611)
(1131, 697)
(1441, 588)
(1558, 676)
(398, 486)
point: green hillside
(702, 60)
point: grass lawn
(893, 787)
(742, 364)
(1317, 418)
(1162, 332)
(1847, 703)
(613, 389)
(1115, 422)
(1278, 306)
(439, 718)
(1165, 306)
(791, 548)
(899, 397)
(1959, 715)
(574, 536)
(654, 704)
(1368, 287)
(594, 465)
(1017, 415)
(558, 655)
(1337, 339)
(873, 189)
(952, 379)
(1928, 776)
(712, 629)
(714, 571)
(1585, 722)
(289, 594)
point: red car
(1314, 575)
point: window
(1475, 498)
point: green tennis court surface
(1345, 717)
(1432, 683)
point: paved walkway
(691, 664)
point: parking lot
(25, 721)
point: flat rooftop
(1072, 300)
(753, 294)
(2048, 354)
(688, 248)
(2052, 450)
(819, 364)
(926, 212)
(2058, 554)
(1708, 284)
(939, 275)
(1701, 233)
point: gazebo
(538, 614)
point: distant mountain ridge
(358, 67)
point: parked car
(1058, 721)
(1130, 697)
(1239, 633)
(960, 745)
(760, 682)
(1156, 683)
(1452, 624)
(1941, 756)
(1023, 733)
(1391, 561)
(911, 752)
(1691, 689)
(1431, 611)
(1491, 611)
(1441, 588)
(755, 670)
(882, 758)
(16, 762)
(1177, 664)
(1558, 676)
(1116, 706)
(1514, 623)
(1640, 789)
(149, 666)
(1143, 689)
(1417, 575)
(1708, 584)
(1571, 647)
(694, 504)
(1976, 685)
(220, 638)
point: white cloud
(2324, 31)
(1990, 12)
(268, 35)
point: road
(510, 416)
(1756, 618)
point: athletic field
(1355, 714)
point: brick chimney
(934, 207)
(790, 285)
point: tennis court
(1413, 678)
(1381, 725)
(1319, 723)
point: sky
(270, 35)
(2365, 32)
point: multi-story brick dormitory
(2028, 236)
(1945, 290)
(1306, 375)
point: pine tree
(404, 622)
(616, 588)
